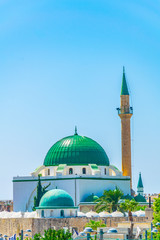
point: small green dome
(56, 198)
(129, 197)
(140, 198)
(76, 150)
(91, 198)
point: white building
(76, 164)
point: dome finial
(75, 131)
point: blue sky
(61, 65)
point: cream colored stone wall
(15, 225)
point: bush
(95, 224)
(52, 234)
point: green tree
(37, 236)
(40, 192)
(128, 206)
(52, 234)
(139, 207)
(95, 224)
(156, 210)
(109, 200)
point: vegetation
(40, 192)
(109, 201)
(95, 224)
(139, 207)
(129, 206)
(156, 210)
(52, 234)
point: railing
(125, 110)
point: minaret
(125, 112)
(140, 186)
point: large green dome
(76, 150)
(56, 198)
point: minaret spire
(140, 185)
(124, 87)
(125, 112)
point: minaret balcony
(125, 110)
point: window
(42, 213)
(71, 213)
(62, 213)
(83, 170)
(105, 171)
(51, 213)
(70, 170)
(48, 171)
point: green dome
(56, 198)
(129, 197)
(91, 198)
(140, 198)
(76, 150)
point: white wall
(55, 213)
(25, 190)
(110, 170)
(87, 187)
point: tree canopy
(129, 206)
(53, 234)
(109, 200)
(156, 210)
(40, 192)
(95, 224)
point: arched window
(83, 170)
(48, 172)
(71, 213)
(105, 171)
(62, 213)
(42, 213)
(70, 170)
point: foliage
(52, 234)
(109, 200)
(156, 236)
(40, 192)
(139, 207)
(95, 224)
(128, 206)
(156, 210)
(95, 237)
(37, 236)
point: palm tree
(129, 205)
(95, 224)
(109, 200)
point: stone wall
(11, 226)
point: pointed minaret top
(75, 131)
(140, 184)
(124, 88)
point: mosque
(77, 170)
